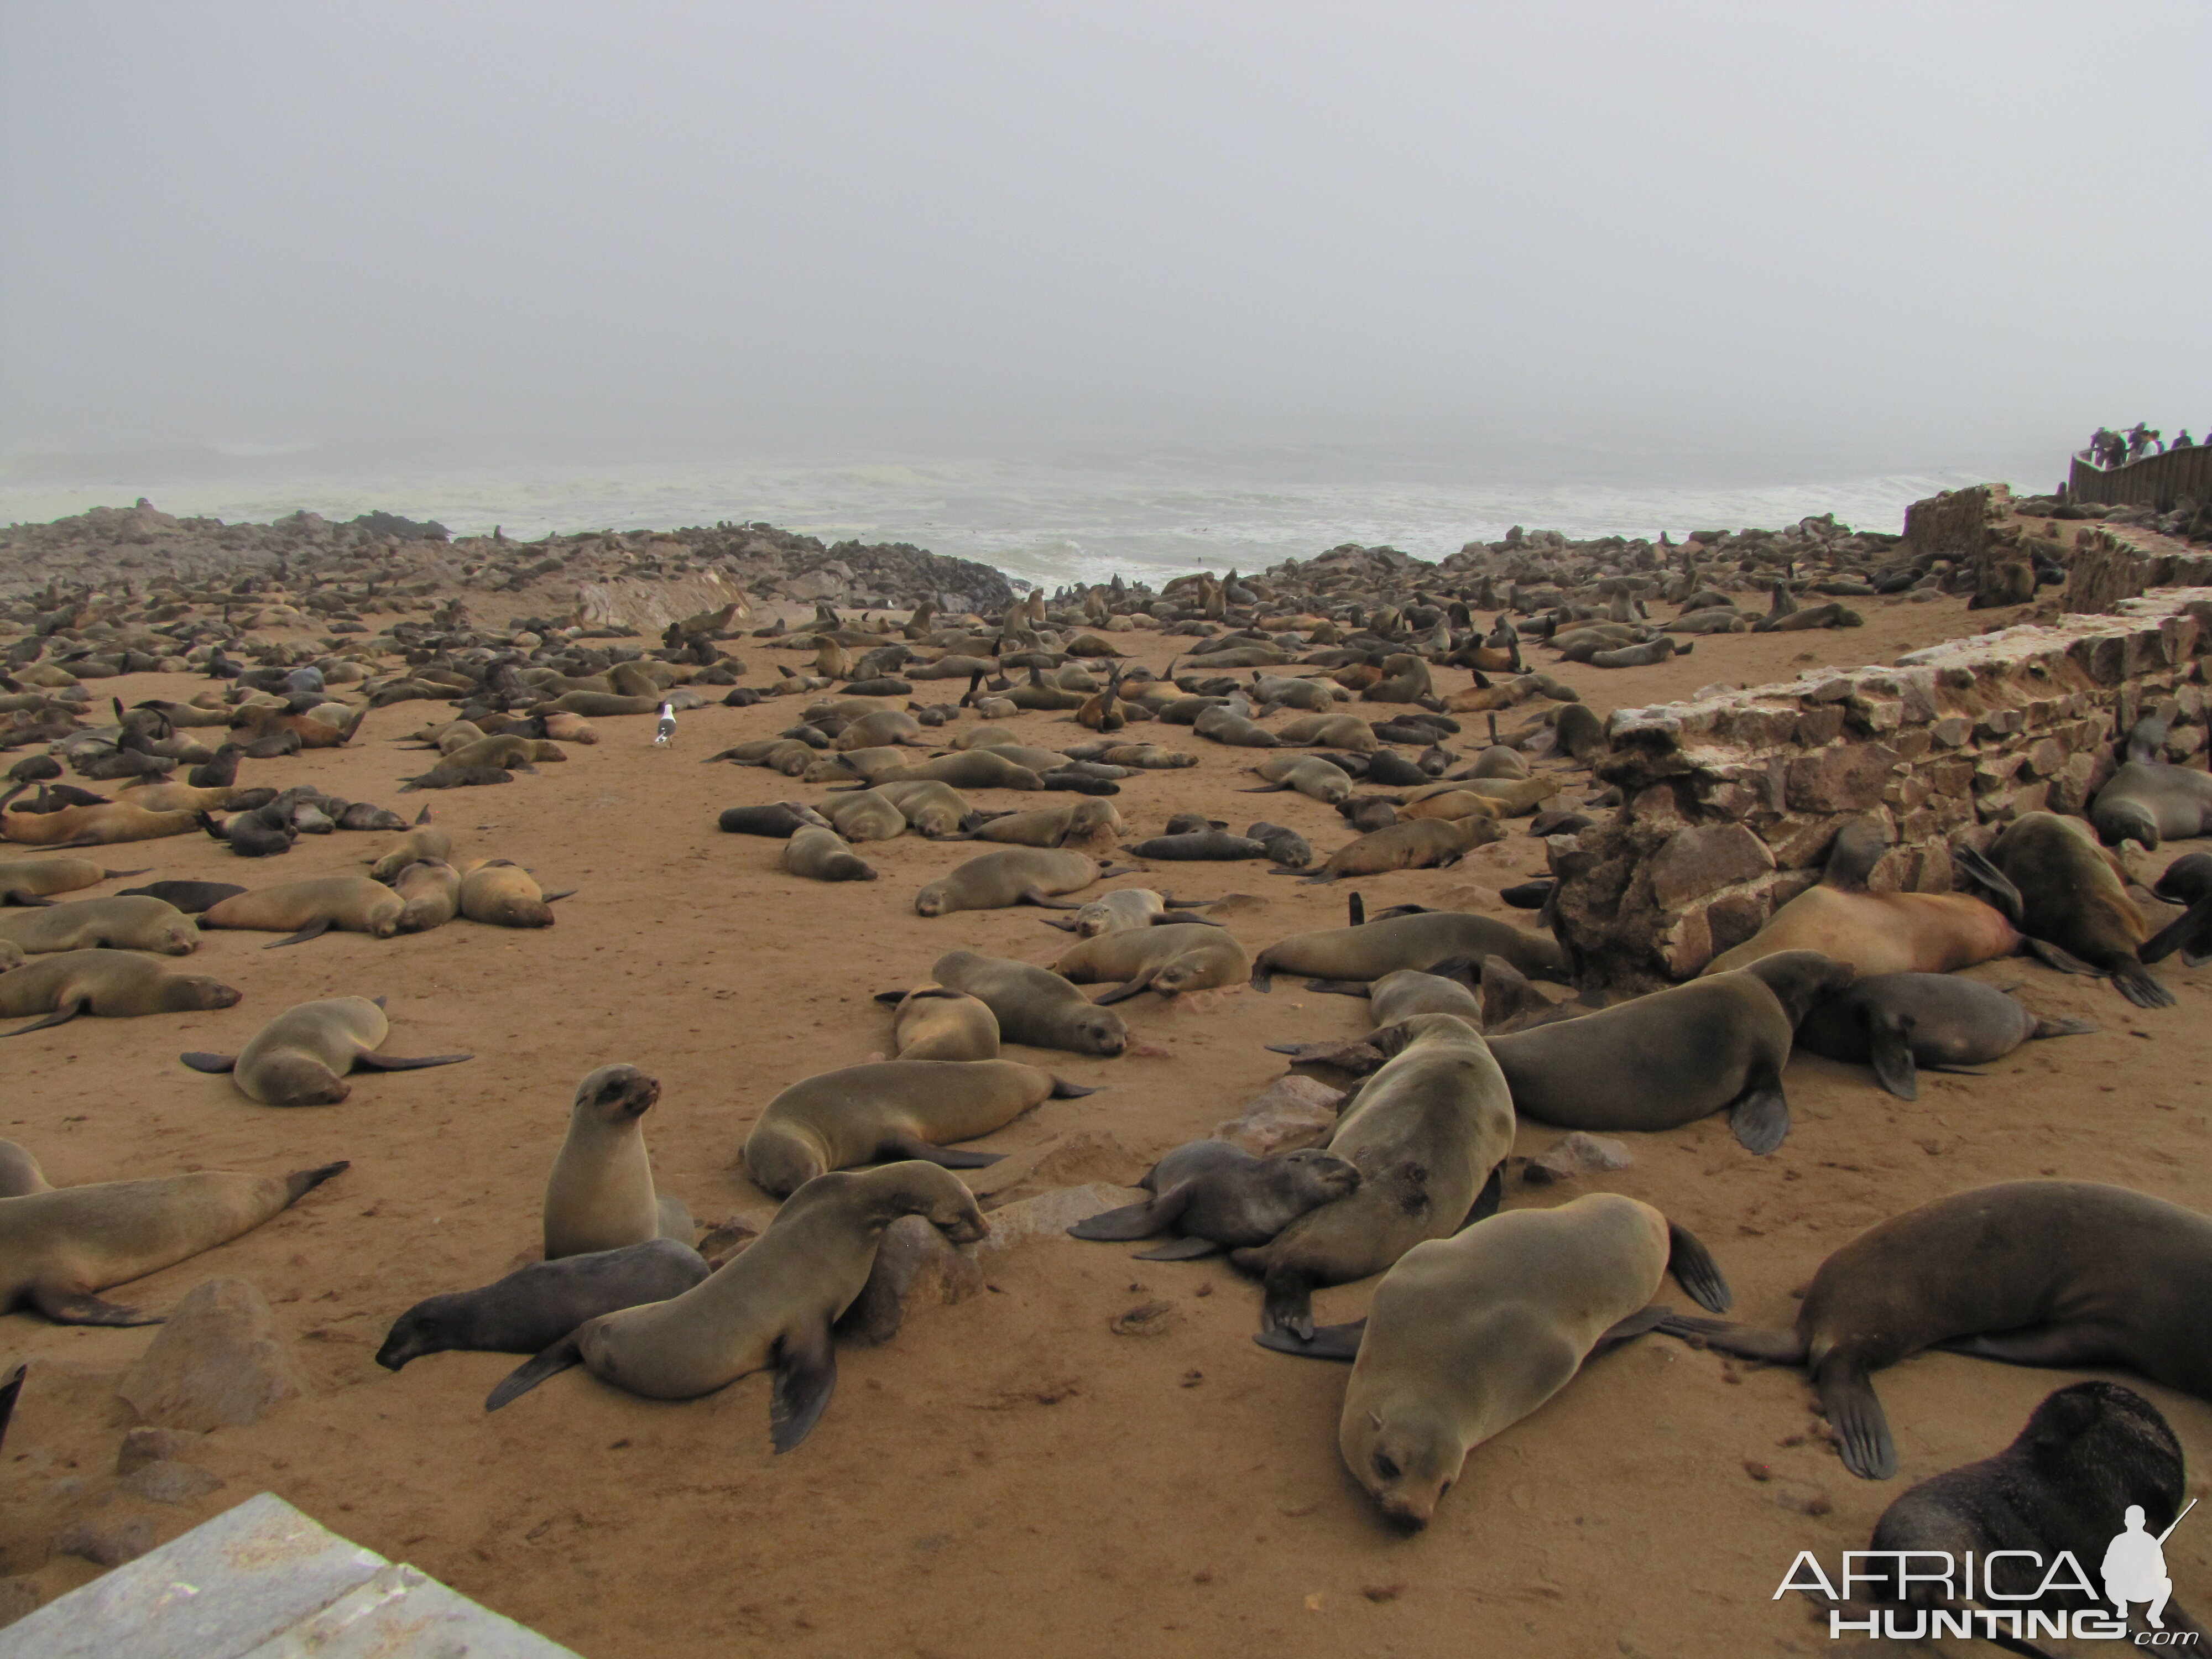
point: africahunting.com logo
(1908, 1595)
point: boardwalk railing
(2156, 481)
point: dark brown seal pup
(534, 1307)
(2087, 1454)
(190, 896)
(1897, 1022)
(1677, 1055)
(1215, 1196)
(2032, 1273)
(2069, 896)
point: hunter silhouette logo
(1943, 1591)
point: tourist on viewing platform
(2183, 441)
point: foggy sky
(618, 229)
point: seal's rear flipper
(2058, 1028)
(1487, 1201)
(1061, 922)
(1172, 917)
(805, 1377)
(2191, 933)
(1183, 1250)
(566, 892)
(1761, 1117)
(1854, 1414)
(1131, 1221)
(2136, 983)
(1636, 1325)
(1745, 1341)
(1889, 1050)
(1695, 1270)
(1037, 897)
(1327, 1341)
(15, 896)
(300, 1182)
(1339, 988)
(1527, 895)
(70, 1308)
(1123, 992)
(396, 1063)
(203, 1062)
(314, 929)
(520, 1380)
(944, 1158)
(890, 998)
(1356, 907)
(1288, 1305)
(1063, 1089)
(8, 1390)
(2001, 893)
(61, 1015)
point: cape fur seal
(300, 1058)
(600, 1196)
(60, 1246)
(105, 825)
(1125, 907)
(23, 879)
(771, 1306)
(1427, 1133)
(2069, 896)
(1676, 1055)
(819, 853)
(1374, 949)
(1217, 1196)
(118, 923)
(534, 1307)
(502, 894)
(432, 891)
(904, 1108)
(1413, 844)
(1176, 957)
(1876, 932)
(1033, 1005)
(190, 896)
(307, 909)
(2150, 801)
(2031, 1273)
(1007, 876)
(934, 1023)
(1469, 1335)
(1897, 1022)
(109, 984)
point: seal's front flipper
(203, 1062)
(1636, 1325)
(2191, 933)
(1854, 1414)
(61, 1015)
(1761, 1117)
(524, 1377)
(1339, 987)
(1131, 1221)
(314, 929)
(1487, 1201)
(2001, 893)
(914, 1147)
(1327, 1341)
(1889, 1050)
(1123, 992)
(2064, 961)
(805, 1377)
(1183, 1250)
(2035, 1344)
(1695, 1270)
(892, 998)
(1063, 1089)
(2137, 984)
(72, 1308)
(1037, 897)
(399, 1063)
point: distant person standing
(666, 728)
(2183, 441)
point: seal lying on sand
(771, 1306)
(534, 1307)
(1469, 1335)
(1897, 1022)
(111, 984)
(301, 1057)
(1218, 1196)
(2069, 896)
(2031, 1273)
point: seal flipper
(1745, 1341)
(2136, 983)
(906, 1145)
(1487, 1201)
(61, 1015)
(1135, 1220)
(8, 1390)
(1636, 1325)
(2002, 894)
(524, 1377)
(805, 1377)
(1760, 1116)
(205, 1062)
(1339, 987)
(1288, 1305)
(314, 929)
(1854, 1411)
(82, 1307)
(1123, 992)
(1183, 1250)
(890, 998)
(1889, 1050)
(1357, 908)
(1695, 1270)
(1327, 1341)
(2058, 1028)
(2035, 1344)
(399, 1063)
(1063, 1089)
(2191, 933)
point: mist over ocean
(1071, 514)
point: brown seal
(1414, 844)
(906, 1108)
(301, 1057)
(22, 879)
(1662, 1060)
(118, 923)
(1898, 1023)
(1033, 1005)
(1428, 1133)
(503, 894)
(1170, 959)
(2068, 1274)
(1007, 876)
(1217, 1196)
(1467, 1335)
(537, 1306)
(934, 1023)
(1418, 940)
(432, 889)
(2069, 896)
(600, 1196)
(821, 854)
(110, 984)
(306, 909)
(769, 1307)
(62, 1245)
(105, 825)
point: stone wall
(1731, 802)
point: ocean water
(1049, 518)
